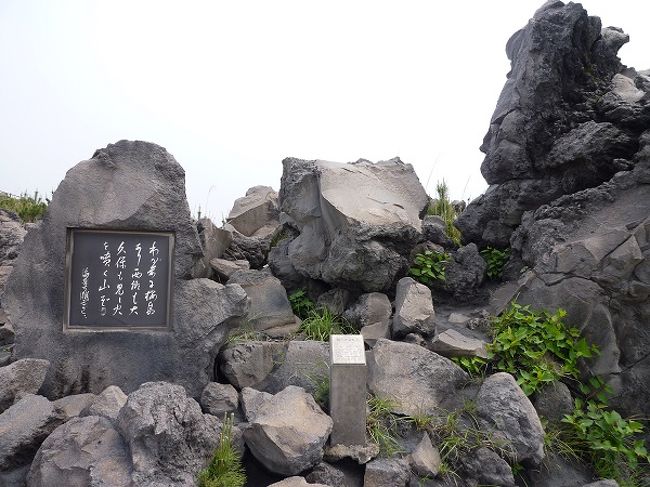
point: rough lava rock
(107, 404)
(83, 452)
(255, 214)
(22, 377)
(416, 379)
(168, 436)
(12, 234)
(357, 222)
(128, 186)
(554, 130)
(505, 411)
(413, 309)
(288, 432)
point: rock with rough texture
(168, 436)
(387, 472)
(251, 401)
(588, 254)
(357, 222)
(417, 380)
(248, 364)
(12, 234)
(434, 231)
(225, 268)
(72, 406)
(505, 411)
(107, 404)
(214, 241)
(464, 275)
(361, 454)
(23, 427)
(553, 401)
(83, 452)
(327, 474)
(425, 459)
(559, 126)
(371, 315)
(559, 472)
(22, 377)
(272, 366)
(488, 468)
(603, 483)
(335, 300)
(296, 482)
(288, 432)
(255, 250)
(219, 399)
(452, 343)
(255, 214)
(413, 309)
(127, 186)
(270, 308)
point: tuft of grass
(443, 208)
(28, 208)
(321, 323)
(381, 425)
(225, 468)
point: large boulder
(560, 124)
(417, 380)
(357, 222)
(371, 315)
(288, 432)
(169, 439)
(506, 412)
(589, 254)
(255, 214)
(22, 377)
(83, 451)
(270, 310)
(128, 186)
(23, 427)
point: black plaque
(117, 280)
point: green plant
(225, 468)
(536, 347)
(279, 236)
(381, 425)
(28, 208)
(496, 260)
(301, 304)
(245, 334)
(321, 383)
(321, 323)
(443, 208)
(429, 267)
(608, 440)
(474, 366)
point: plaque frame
(69, 250)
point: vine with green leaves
(429, 267)
(537, 348)
(496, 260)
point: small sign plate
(347, 350)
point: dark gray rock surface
(22, 377)
(129, 186)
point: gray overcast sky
(231, 88)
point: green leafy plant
(225, 468)
(28, 208)
(474, 366)
(496, 260)
(608, 440)
(301, 305)
(321, 323)
(443, 208)
(429, 267)
(536, 347)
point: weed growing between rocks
(321, 323)
(496, 260)
(28, 208)
(382, 424)
(429, 267)
(301, 304)
(537, 348)
(443, 208)
(225, 469)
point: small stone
(457, 318)
(327, 474)
(362, 454)
(226, 268)
(488, 468)
(296, 482)
(107, 404)
(452, 343)
(386, 472)
(553, 401)
(413, 309)
(72, 406)
(425, 459)
(251, 401)
(219, 399)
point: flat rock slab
(452, 343)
